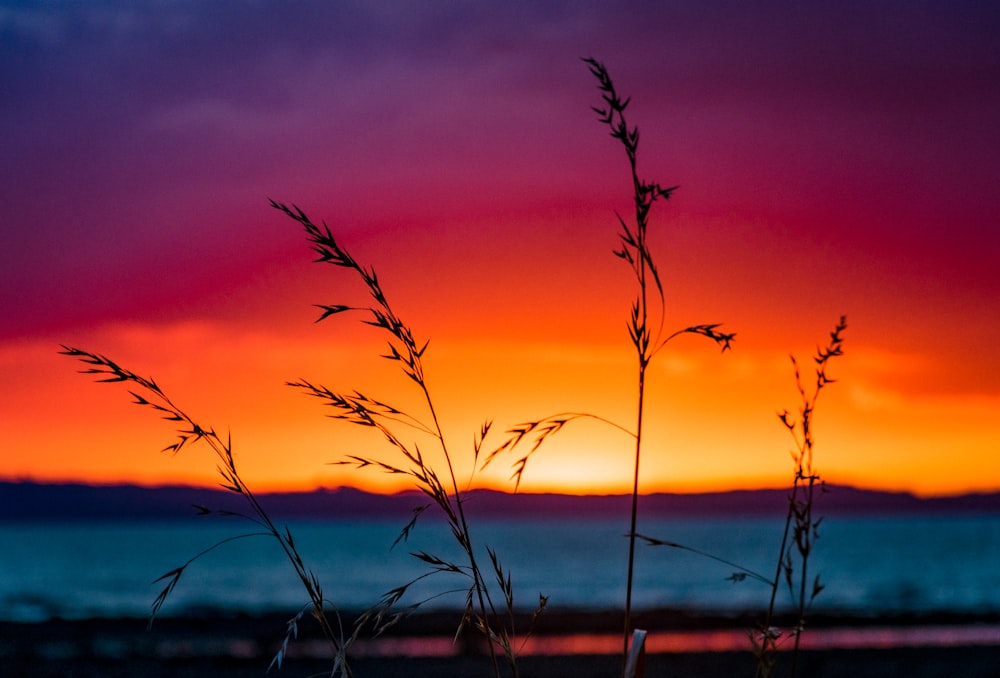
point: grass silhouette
(647, 317)
(489, 608)
(801, 528)
(427, 460)
(147, 393)
(483, 589)
(801, 525)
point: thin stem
(769, 617)
(743, 571)
(633, 520)
(803, 578)
(479, 583)
(224, 452)
(642, 347)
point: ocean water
(870, 565)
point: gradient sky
(834, 158)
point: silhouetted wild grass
(489, 593)
(147, 393)
(418, 449)
(489, 606)
(801, 525)
(647, 317)
(801, 528)
(647, 335)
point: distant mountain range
(40, 501)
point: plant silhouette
(494, 620)
(647, 317)
(147, 393)
(419, 450)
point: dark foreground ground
(211, 646)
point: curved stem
(477, 578)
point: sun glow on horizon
(465, 165)
(711, 418)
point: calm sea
(869, 565)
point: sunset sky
(833, 158)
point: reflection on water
(722, 640)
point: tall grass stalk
(494, 620)
(801, 526)
(646, 318)
(147, 393)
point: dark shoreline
(221, 646)
(31, 501)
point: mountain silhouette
(20, 501)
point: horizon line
(392, 493)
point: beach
(220, 646)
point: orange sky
(857, 179)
